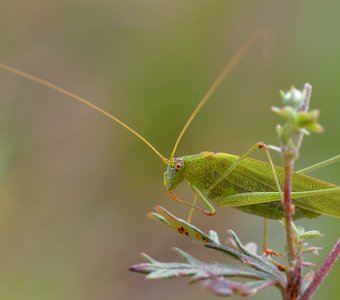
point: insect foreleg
(320, 165)
(210, 209)
(192, 209)
(206, 211)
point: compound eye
(178, 166)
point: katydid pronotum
(226, 180)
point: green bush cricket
(226, 180)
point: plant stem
(294, 265)
(288, 207)
(324, 270)
(289, 156)
(290, 152)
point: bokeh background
(75, 187)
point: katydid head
(174, 173)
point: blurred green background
(75, 187)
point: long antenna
(215, 85)
(81, 100)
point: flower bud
(293, 97)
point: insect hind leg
(257, 146)
(320, 165)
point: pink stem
(288, 208)
(324, 270)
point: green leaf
(193, 267)
(260, 263)
(309, 120)
(181, 226)
(286, 112)
(311, 234)
(259, 271)
(214, 236)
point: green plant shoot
(226, 180)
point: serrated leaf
(157, 217)
(309, 121)
(225, 288)
(148, 258)
(251, 259)
(311, 234)
(259, 269)
(314, 127)
(256, 261)
(264, 266)
(189, 259)
(193, 267)
(286, 112)
(181, 226)
(214, 236)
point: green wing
(254, 184)
(326, 201)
